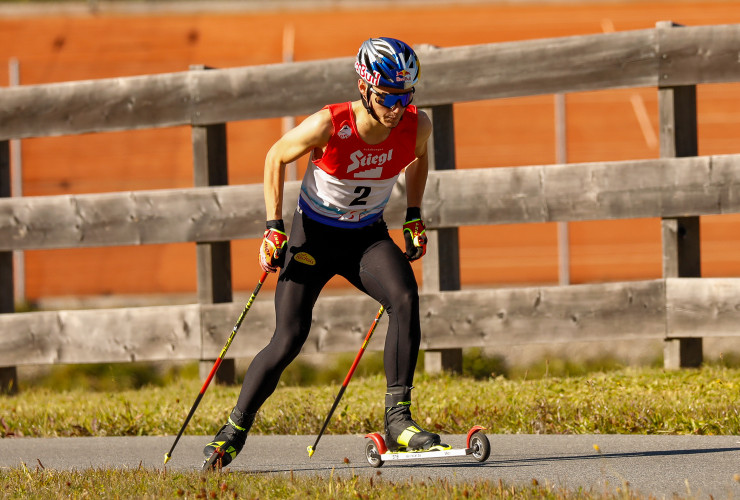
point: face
(388, 104)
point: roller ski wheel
(377, 453)
(480, 446)
(373, 455)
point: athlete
(358, 149)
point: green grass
(628, 400)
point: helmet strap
(368, 107)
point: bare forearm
(273, 187)
(416, 179)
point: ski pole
(168, 455)
(312, 449)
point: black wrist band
(413, 213)
(276, 224)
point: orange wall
(509, 132)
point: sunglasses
(390, 100)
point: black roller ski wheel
(481, 446)
(372, 454)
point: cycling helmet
(387, 62)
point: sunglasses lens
(390, 100)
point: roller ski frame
(477, 445)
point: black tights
(370, 260)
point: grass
(561, 399)
(628, 400)
(141, 483)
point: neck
(371, 130)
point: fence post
(210, 168)
(8, 374)
(441, 264)
(680, 235)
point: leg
(296, 293)
(298, 288)
(386, 275)
(293, 305)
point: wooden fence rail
(679, 187)
(671, 187)
(655, 309)
(644, 58)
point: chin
(392, 123)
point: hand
(414, 233)
(274, 245)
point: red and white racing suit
(338, 229)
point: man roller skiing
(358, 149)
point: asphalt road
(688, 466)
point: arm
(416, 172)
(313, 132)
(414, 232)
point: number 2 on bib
(364, 192)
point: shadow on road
(519, 462)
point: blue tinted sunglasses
(390, 100)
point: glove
(414, 233)
(274, 245)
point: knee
(287, 344)
(405, 301)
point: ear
(362, 85)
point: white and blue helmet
(387, 62)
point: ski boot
(229, 441)
(401, 432)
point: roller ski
(405, 439)
(228, 442)
(377, 451)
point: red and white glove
(414, 233)
(274, 246)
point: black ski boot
(229, 441)
(401, 432)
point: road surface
(689, 466)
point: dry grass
(23, 482)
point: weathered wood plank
(588, 191)
(673, 308)
(135, 218)
(272, 90)
(569, 64)
(681, 236)
(706, 307)
(98, 336)
(129, 103)
(543, 66)
(340, 323)
(210, 168)
(254, 333)
(724, 175)
(698, 54)
(441, 269)
(489, 317)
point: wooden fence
(679, 187)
